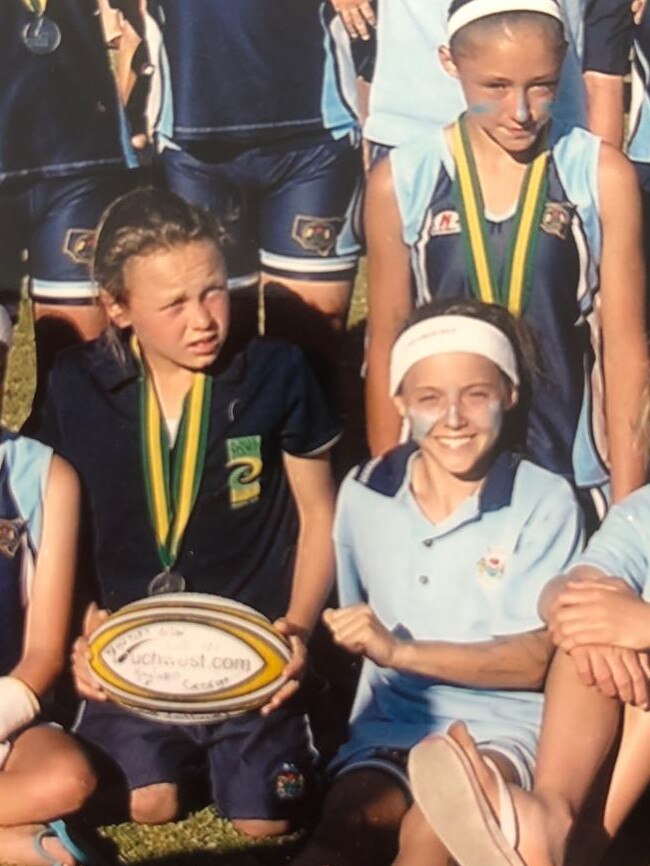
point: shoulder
(536, 487)
(24, 456)
(635, 509)
(265, 359)
(383, 475)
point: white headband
(476, 9)
(453, 333)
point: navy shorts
(53, 221)
(260, 766)
(292, 210)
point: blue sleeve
(608, 31)
(549, 543)
(348, 579)
(309, 425)
(620, 548)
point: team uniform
(239, 543)
(64, 152)
(474, 576)
(24, 470)
(411, 92)
(565, 431)
(256, 121)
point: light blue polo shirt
(621, 547)
(474, 576)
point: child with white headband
(443, 546)
(509, 207)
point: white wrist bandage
(18, 706)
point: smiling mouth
(454, 442)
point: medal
(172, 477)
(166, 581)
(512, 290)
(41, 35)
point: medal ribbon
(172, 477)
(36, 7)
(512, 291)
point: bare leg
(154, 804)
(46, 776)
(360, 822)
(418, 844)
(579, 726)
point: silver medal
(41, 35)
(166, 581)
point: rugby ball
(188, 658)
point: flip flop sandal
(446, 789)
(86, 856)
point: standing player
(258, 124)
(64, 154)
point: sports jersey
(251, 70)
(24, 469)
(411, 92)
(240, 537)
(470, 577)
(59, 112)
(638, 148)
(565, 425)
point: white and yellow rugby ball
(188, 658)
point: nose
(454, 417)
(201, 315)
(521, 106)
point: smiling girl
(443, 546)
(507, 207)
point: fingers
(83, 678)
(619, 675)
(358, 18)
(93, 618)
(581, 658)
(283, 694)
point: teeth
(456, 442)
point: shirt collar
(387, 475)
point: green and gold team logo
(245, 462)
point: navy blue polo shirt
(59, 112)
(241, 535)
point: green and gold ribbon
(512, 290)
(36, 7)
(172, 477)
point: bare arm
(510, 662)
(605, 106)
(389, 302)
(49, 610)
(623, 319)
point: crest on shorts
(447, 222)
(492, 566)
(11, 532)
(79, 245)
(289, 783)
(244, 460)
(556, 219)
(317, 234)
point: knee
(255, 828)
(155, 804)
(67, 786)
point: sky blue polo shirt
(475, 575)
(621, 547)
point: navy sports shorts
(291, 208)
(260, 766)
(53, 221)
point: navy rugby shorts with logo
(290, 208)
(47, 229)
(259, 766)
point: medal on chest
(41, 35)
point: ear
(117, 312)
(513, 397)
(398, 402)
(447, 62)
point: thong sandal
(60, 830)
(446, 789)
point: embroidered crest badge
(289, 783)
(556, 219)
(244, 459)
(447, 222)
(492, 566)
(11, 532)
(317, 234)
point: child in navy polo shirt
(43, 772)
(259, 529)
(443, 546)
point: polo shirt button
(427, 542)
(423, 579)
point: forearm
(517, 662)
(605, 106)
(313, 574)
(383, 421)
(40, 668)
